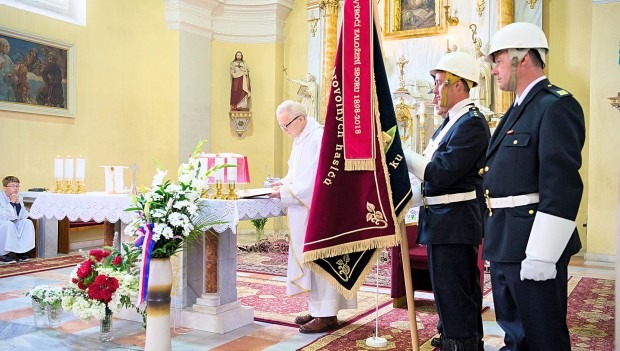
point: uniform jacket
(536, 148)
(452, 169)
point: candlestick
(80, 168)
(79, 187)
(58, 186)
(58, 165)
(68, 168)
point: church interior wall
(568, 67)
(129, 94)
(126, 77)
(296, 62)
(604, 158)
(257, 143)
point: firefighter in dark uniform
(533, 190)
(450, 223)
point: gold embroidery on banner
(376, 217)
(342, 268)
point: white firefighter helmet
(461, 64)
(519, 35)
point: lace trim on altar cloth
(100, 207)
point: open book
(303, 90)
(260, 193)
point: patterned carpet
(591, 306)
(271, 305)
(591, 311)
(393, 326)
(38, 265)
(271, 258)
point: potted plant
(259, 225)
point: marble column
(212, 283)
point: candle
(80, 168)
(68, 168)
(219, 174)
(58, 164)
(118, 179)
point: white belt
(512, 201)
(449, 198)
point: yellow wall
(604, 126)
(568, 65)
(296, 62)
(127, 80)
(264, 62)
(126, 70)
(264, 142)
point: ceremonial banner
(357, 100)
(355, 213)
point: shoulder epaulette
(474, 112)
(557, 91)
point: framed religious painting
(36, 75)
(414, 18)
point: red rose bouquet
(104, 283)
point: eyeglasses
(13, 186)
(285, 126)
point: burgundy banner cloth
(359, 129)
(355, 212)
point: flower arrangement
(104, 283)
(167, 213)
(47, 295)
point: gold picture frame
(38, 74)
(414, 18)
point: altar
(204, 293)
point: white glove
(534, 269)
(416, 163)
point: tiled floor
(17, 331)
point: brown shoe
(300, 320)
(319, 325)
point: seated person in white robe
(16, 230)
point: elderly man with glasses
(295, 191)
(16, 230)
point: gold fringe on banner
(376, 243)
(359, 165)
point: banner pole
(404, 251)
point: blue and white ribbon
(145, 240)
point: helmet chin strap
(450, 79)
(516, 56)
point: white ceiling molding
(235, 21)
(192, 16)
(598, 2)
(72, 11)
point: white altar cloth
(100, 207)
(220, 312)
(94, 206)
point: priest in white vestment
(295, 191)
(16, 230)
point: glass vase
(39, 312)
(260, 232)
(54, 316)
(105, 327)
